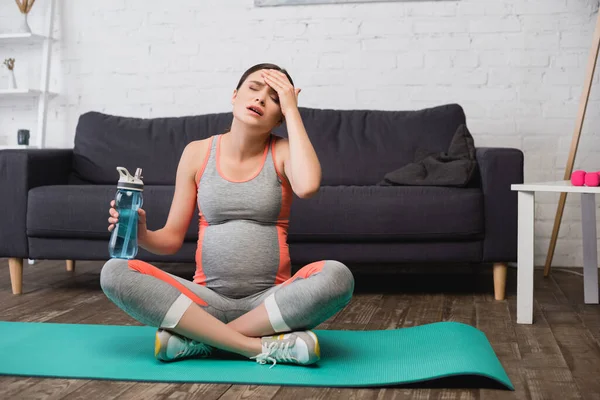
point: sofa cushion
(103, 142)
(358, 147)
(336, 213)
(388, 213)
(81, 211)
(355, 147)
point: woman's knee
(342, 278)
(111, 274)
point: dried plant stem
(10, 63)
(25, 5)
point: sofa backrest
(103, 142)
(355, 147)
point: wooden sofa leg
(15, 266)
(70, 265)
(500, 280)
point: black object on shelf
(23, 137)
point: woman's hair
(258, 67)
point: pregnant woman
(242, 298)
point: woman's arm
(169, 239)
(300, 161)
(301, 165)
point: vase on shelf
(24, 24)
(12, 82)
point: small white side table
(525, 252)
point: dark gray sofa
(56, 200)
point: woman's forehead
(256, 75)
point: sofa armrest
(20, 171)
(499, 168)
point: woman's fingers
(142, 216)
(114, 216)
(279, 77)
(111, 211)
(274, 83)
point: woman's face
(256, 103)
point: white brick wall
(516, 66)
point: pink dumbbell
(581, 178)
(592, 179)
(578, 178)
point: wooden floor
(556, 358)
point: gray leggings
(156, 298)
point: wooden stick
(585, 96)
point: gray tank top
(242, 241)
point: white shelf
(23, 93)
(16, 146)
(42, 94)
(16, 38)
(555, 186)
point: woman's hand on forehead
(288, 95)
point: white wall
(516, 66)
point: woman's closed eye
(254, 89)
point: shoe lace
(192, 348)
(275, 351)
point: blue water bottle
(128, 199)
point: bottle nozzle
(138, 173)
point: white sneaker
(295, 347)
(169, 347)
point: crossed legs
(155, 298)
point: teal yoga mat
(348, 358)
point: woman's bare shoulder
(198, 146)
(194, 155)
